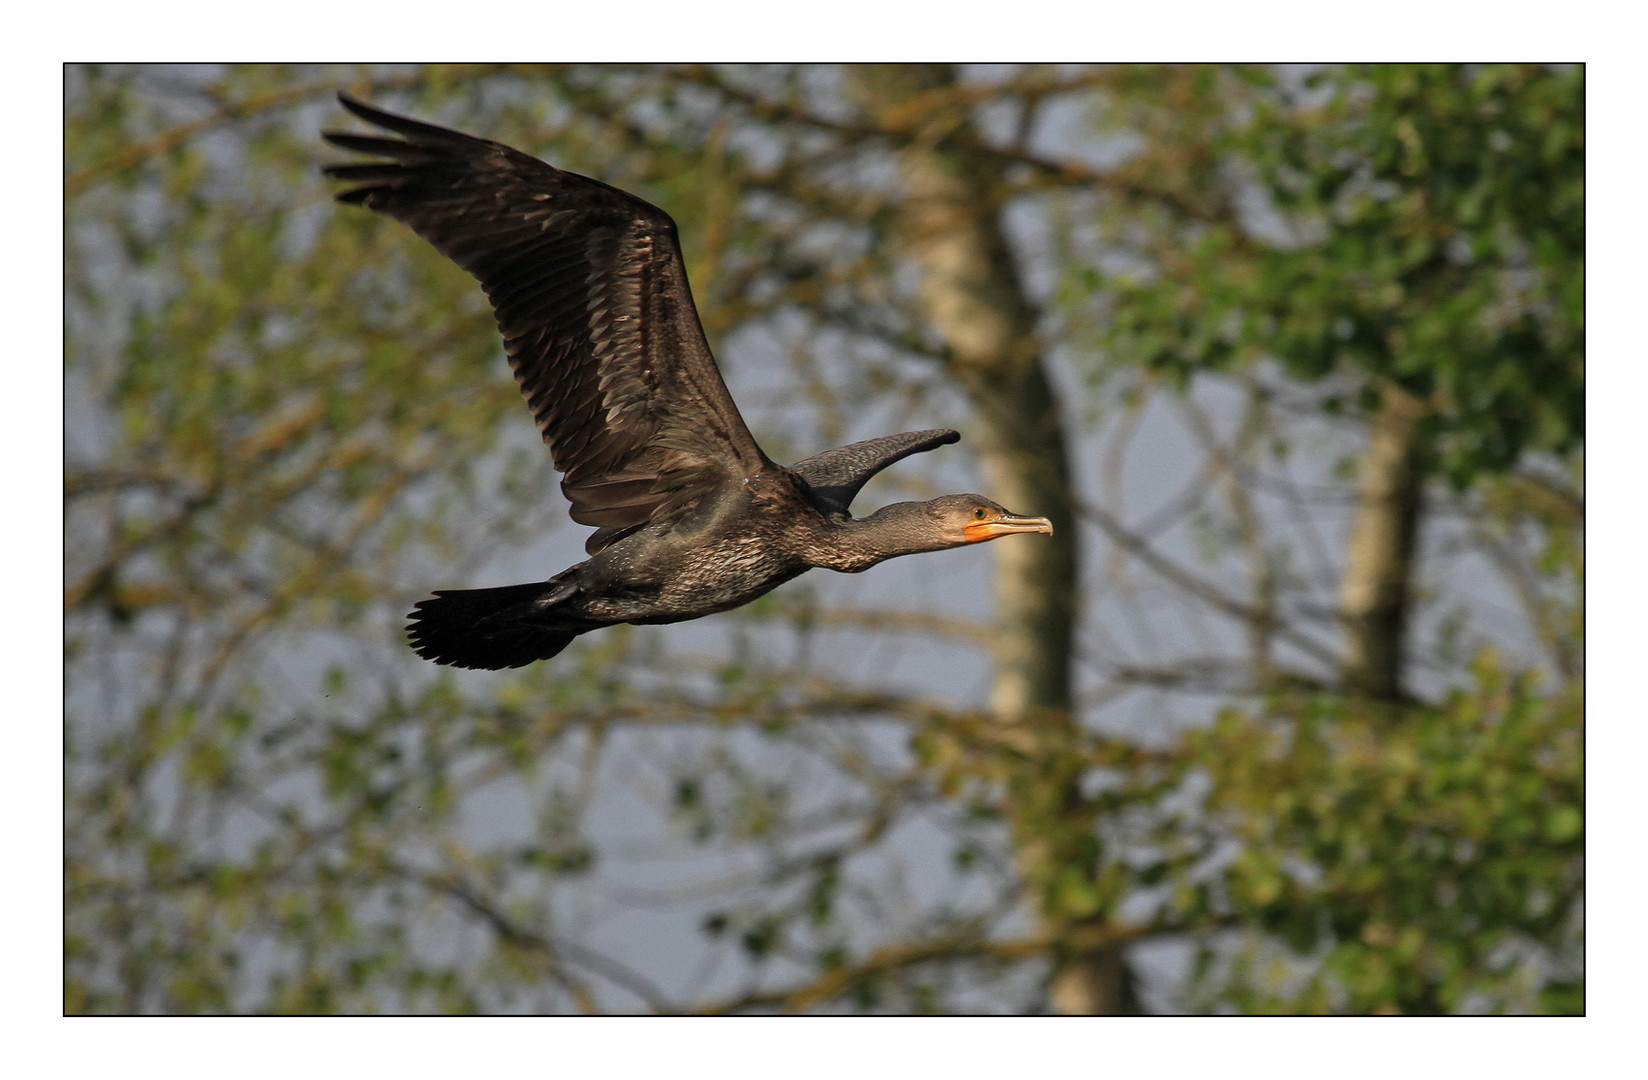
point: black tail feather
(505, 627)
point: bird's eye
(978, 513)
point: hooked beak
(1003, 524)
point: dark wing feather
(836, 476)
(597, 317)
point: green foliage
(1425, 861)
(1422, 224)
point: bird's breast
(685, 580)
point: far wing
(836, 476)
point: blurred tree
(1292, 357)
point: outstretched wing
(837, 475)
(597, 318)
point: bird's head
(969, 519)
(907, 528)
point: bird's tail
(505, 627)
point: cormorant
(591, 297)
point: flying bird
(591, 297)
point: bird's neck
(852, 545)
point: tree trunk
(1374, 596)
(972, 297)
